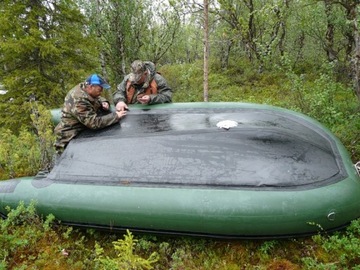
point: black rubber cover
(184, 147)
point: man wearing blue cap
(84, 108)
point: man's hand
(121, 106)
(120, 114)
(144, 99)
(105, 105)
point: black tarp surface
(184, 147)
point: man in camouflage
(84, 108)
(143, 86)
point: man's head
(95, 85)
(95, 79)
(138, 72)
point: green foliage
(130, 30)
(126, 259)
(29, 242)
(185, 80)
(19, 155)
(30, 151)
(190, 49)
(22, 236)
(44, 50)
(9, 110)
(42, 122)
(338, 251)
(267, 246)
(113, 24)
(326, 101)
(349, 131)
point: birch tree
(206, 50)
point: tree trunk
(329, 43)
(225, 53)
(102, 52)
(350, 9)
(206, 50)
(250, 45)
(356, 56)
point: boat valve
(331, 216)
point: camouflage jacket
(81, 111)
(164, 92)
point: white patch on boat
(357, 167)
(226, 124)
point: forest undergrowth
(28, 241)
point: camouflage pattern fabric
(81, 111)
(164, 92)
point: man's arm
(120, 93)
(86, 115)
(164, 92)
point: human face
(94, 90)
(141, 79)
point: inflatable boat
(228, 170)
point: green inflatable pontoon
(228, 170)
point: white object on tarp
(226, 124)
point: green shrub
(43, 125)
(19, 155)
(340, 250)
(125, 257)
(29, 151)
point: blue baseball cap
(98, 80)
